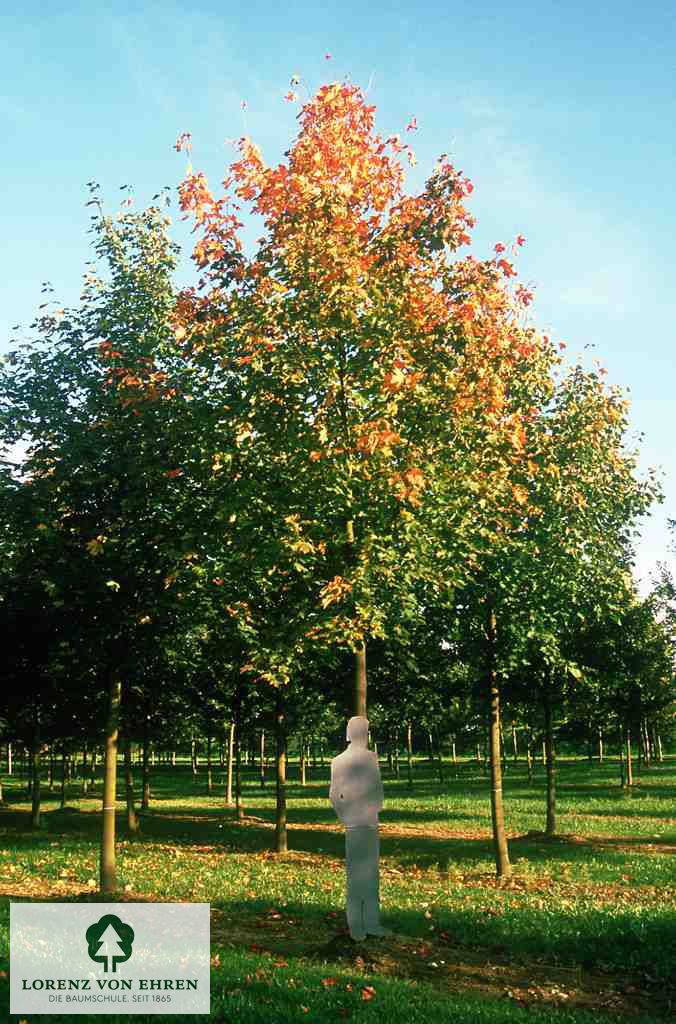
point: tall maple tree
(375, 387)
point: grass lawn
(584, 931)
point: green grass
(585, 914)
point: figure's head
(358, 731)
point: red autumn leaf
(368, 993)
(412, 125)
(329, 982)
(499, 247)
(520, 239)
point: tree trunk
(193, 757)
(630, 773)
(132, 817)
(239, 807)
(10, 767)
(396, 753)
(600, 745)
(660, 755)
(360, 681)
(231, 752)
(302, 764)
(550, 827)
(85, 773)
(646, 742)
(515, 746)
(622, 756)
(35, 766)
(64, 775)
(409, 753)
(502, 863)
(50, 770)
(108, 878)
(262, 754)
(145, 767)
(210, 781)
(281, 842)
(529, 757)
(92, 770)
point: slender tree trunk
(646, 742)
(409, 753)
(502, 863)
(108, 878)
(360, 681)
(193, 757)
(35, 765)
(210, 781)
(515, 745)
(302, 761)
(10, 766)
(529, 757)
(50, 770)
(281, 840)
(85, 770)
(544, 753)
(396, 753)
(262, 754)
(132, 817)
(231, 758)
(660, 755)
(173, 759)
(630, 773)
(145, 767)
(600, 745)
(453, 750)
(64, 775)
(239, 806)
(478, 753)
(550, 827)
(92, 770)
(503, 749)
(622, 773)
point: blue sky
(562, 115)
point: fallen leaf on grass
(328, 982)
(368, 993)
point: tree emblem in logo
(109, 941)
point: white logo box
(109, 958)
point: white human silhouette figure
(357, 796)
